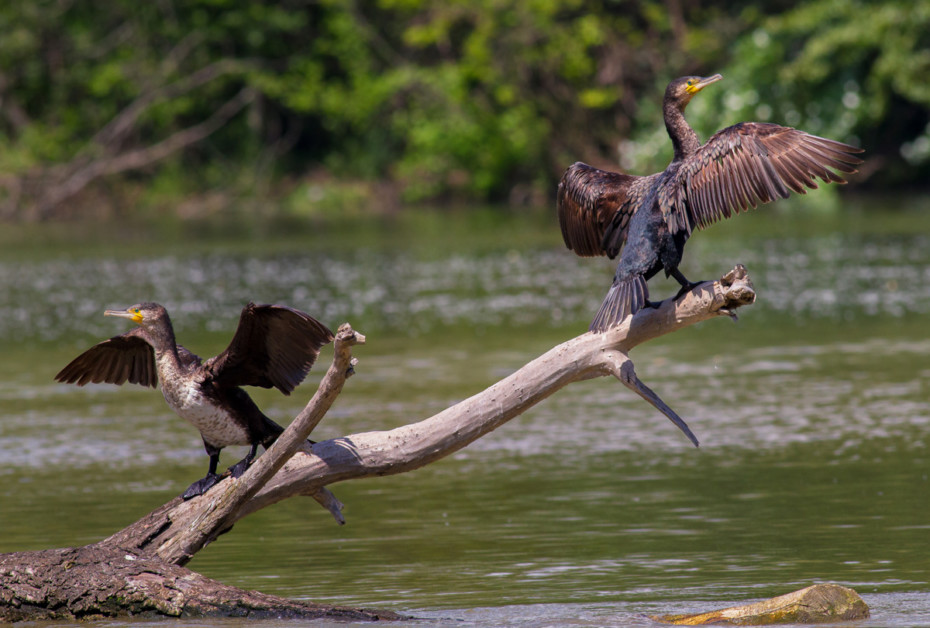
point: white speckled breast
(214, 423)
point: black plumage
(274, 347)
(647, 220)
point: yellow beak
(704, 82)
(132, 315)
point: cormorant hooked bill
(650, 218)
(274, 346)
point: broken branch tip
(346, 334)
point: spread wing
(595, 207)
(749, 164)
(127, 357)
(274, 346)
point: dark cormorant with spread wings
(648, 219)
(274, 346)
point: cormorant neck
(684, 139)
(162, 341)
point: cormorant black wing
(594, 207)
(746, 165)
(274, 346)
(127, 357)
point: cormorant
(650, 218)
(274, 346)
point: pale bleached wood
(138, 568)
(216, 511)
(291, 467)
(584, 357)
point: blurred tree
(844, 69)
(484, 100)
(488, 100)
(89, 90)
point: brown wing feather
(127, 357)
(749, 164)
(594, 209)
(274, 346)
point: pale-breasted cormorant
(274, 346)
(650, 218)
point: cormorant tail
(625, 298)
(271, 432)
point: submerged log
(815, 604)
(140, 568)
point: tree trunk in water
(140, 568)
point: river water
(813, 413)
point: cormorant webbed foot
(240, 467)
(688, 287)
(201, 486)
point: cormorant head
(681, 90)
(152, 317)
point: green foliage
(845, 69)
(447, 98)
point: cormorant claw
(240, 467)
(201, 486)
(688, 287)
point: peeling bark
(101, 580)
(140, 568)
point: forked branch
(292, 467)
(138, 568)
(216, 511)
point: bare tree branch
(237, 491)
(140, 567)
(139, 158)
(39, 190)
(125, 121)
(14, 113)
(415, 445)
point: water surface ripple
(813, 413)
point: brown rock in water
(815, 604)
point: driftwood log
(816, 604)
(139, 570)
